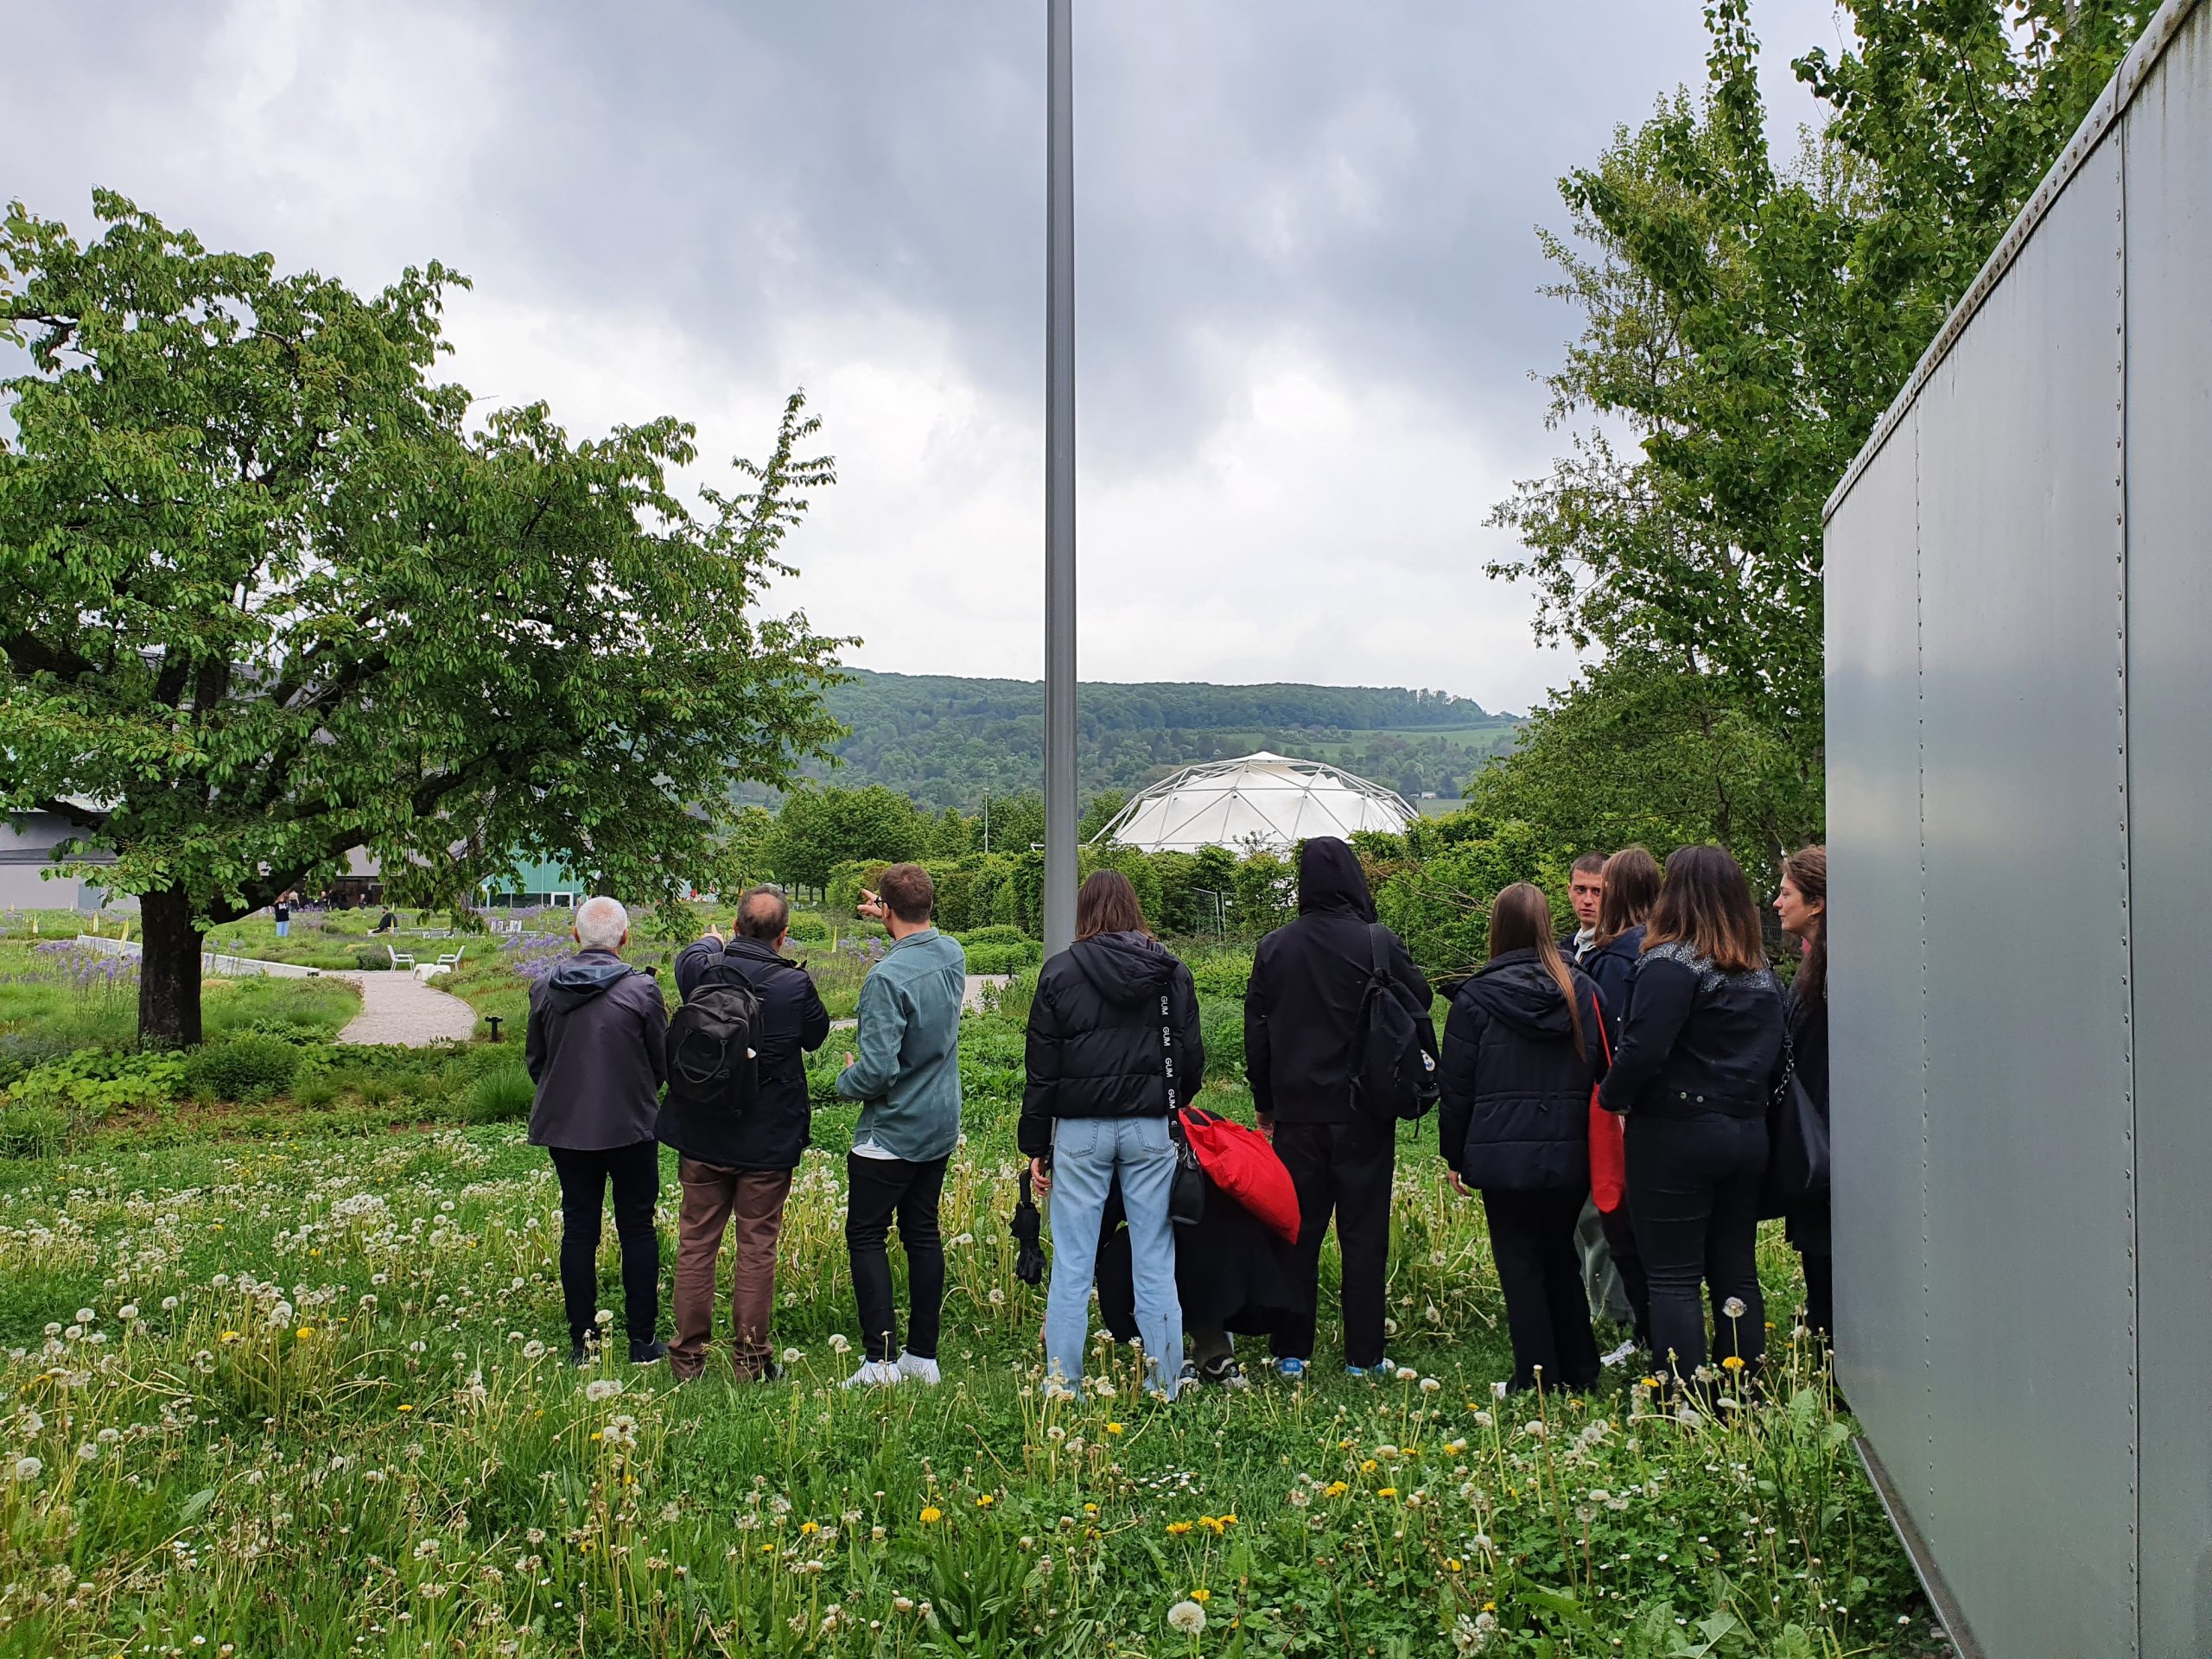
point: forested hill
(948, 740)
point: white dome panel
(1263, 799)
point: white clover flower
(1186, 1618)
(29, 1468)
(601, 1388)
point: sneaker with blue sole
(1291, 1371)
(1380, 1368)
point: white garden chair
(399, 958)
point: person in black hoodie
(1300, 1008)
(1114, 1049)
(1631, 878)
(1698, 1057)
(1803, 905)
(740, 1165)
(1521, 1053)
(596, 1048)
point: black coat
(1612, 967)
(775, 1130)
(1517, 1095)
(1696, 1040)
(1302, 1001)
(596, 1047)
(1110, 1014)
(1808, 1225)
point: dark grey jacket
(597, 1051)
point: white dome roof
(1263, 799)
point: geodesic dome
(1263, 799)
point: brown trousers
(711, 1196)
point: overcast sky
(1306, 280)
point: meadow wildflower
(1186, 1619)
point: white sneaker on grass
(912, 1368)
(874, 1374)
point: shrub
(1221, 972)
(35, 1131)
(1221, 1024)
(54, 1102)
(996, 933)
(807, 928)
(367, 956)
(1002, 958)
(502, 1095)
(249, 1066)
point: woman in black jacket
(1803, 905)
(1631, 878)
(1114, 1050)
(1520, 1051)
(1698, 1057)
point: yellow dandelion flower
(1385, 1492)
(407, 1408)
(1113, 1428)
(1202, 1596)
(808, 1527)
(1733, 1363)
(1176, 1528)
(1367, 1466)
(985, 1501)
(1451, 1564)
(1335, 1488)
(931, 1515)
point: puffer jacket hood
(1330, 879)
(578, 981)
(1519, 994)
(1124, 967)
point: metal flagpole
(1059, 483)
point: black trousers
(1343, 1168)
(880, 1188)
(1820, 1291)
(1547, 1311)
(1628, 1261)
(1693, 1193)
(635, 1172)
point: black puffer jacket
(774, 1132)
(1517, 1095)
(1110, 1013)
(1612, 967)
(1696, 1040)
(1303, 998)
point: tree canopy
(272, 595)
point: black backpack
(1392, 1075)
(713, 1060)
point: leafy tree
(1441, 905)
(817, 830)
(269, 597)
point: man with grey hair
(597, 1051)
(737, 1165)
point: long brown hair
(1706, 903)
(1108, 903)
(1631, 888)
(1808, 870)
(1521, 919)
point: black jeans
(1344, 1167)
(1820, 1292)
(880, 1188)
(1547, 1311)
(635, 1172)
(1693, 1191)
(1628, 1261)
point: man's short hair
(908, 892)
(601, 923)
(763, 914)
(1590, 864)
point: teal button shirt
(907, 1057)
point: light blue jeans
(1087, 1154)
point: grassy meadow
(286, 1375)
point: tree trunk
(168, 974)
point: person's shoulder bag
(1798, 1139)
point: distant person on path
(1521, 1052)
(1631, 888)
(741, 1163)
(907, 1070)
(1300, 1010)
(597, 1050)
(1113, 1051)
(1700, 1054)
(1803, 906)
(283, 912)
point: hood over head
(1126, 967)
(1518, 990)
(577, 980)
(1330, 879)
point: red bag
(1608, 1144)
(1242, 1164)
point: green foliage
(504, 1095)
(1221, 1025)
(248, 1067)
(274, 593)
(1220, 973)
(1441, 908)
(818, 830)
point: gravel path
(399, 1007)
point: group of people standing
(1661, 1009)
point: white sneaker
(912, 1368)
(874, 1374)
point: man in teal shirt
(907, 1070)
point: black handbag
(1797, 1140)
(1186, 1197)
(1029, 1255)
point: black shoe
(579, 1351)
(648, 1353)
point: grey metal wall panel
(1875, 949)
(2168, 133)
(2029, 1309)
